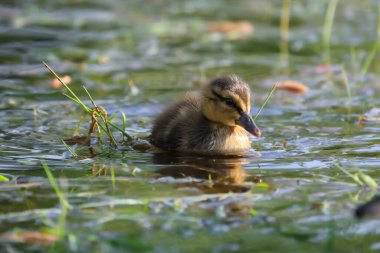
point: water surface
(136, 58)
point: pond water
(135, 58)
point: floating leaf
(56, 83)
(242, 28)
(293, 86)
(31, 238)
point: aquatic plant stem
(378, 21)
(327, 29)
(284, 32)
(70, 149)
(113, 177)
(124, 122)
(59, 228)
(369, 59)
(375, 47)
(347, 84)
(266, 100)
(360, 178)
(104, 118)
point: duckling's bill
(248, 124)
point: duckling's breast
(232, 140)
(235, 140)
(211, 137)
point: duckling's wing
(170, 127)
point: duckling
(216, 120)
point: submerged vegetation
(79, 175)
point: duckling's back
(181, 126)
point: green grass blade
(56, 188)
(129, 138)
(4, 178)
(124, 124)
(284, 31)
(370, 58)
(73, 153)
(113, 116)
(266, 100)
(327, 28)
(378, 21)
(368, 180)
(86, 108)
(71, 98)
(89, 95)
(113, 178)
(124, 127)
(347, 84)
(66, 86)
(353, 176)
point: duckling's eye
(229, 102)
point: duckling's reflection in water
(217, 174)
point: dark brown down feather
(184, 125)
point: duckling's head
(227, 100)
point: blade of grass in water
(360, 178)
(284, 31)
(370, 58)
(58, 191)
(113, 178)
(266, 100)
(3, 178)
(375, 47)
(123, 127)
(129, 138)
(124, 124)
(59, 229)
(77, 100)
(347, 84)
(327, 29)
(70, 149)
(72, 99)
(112, 117)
